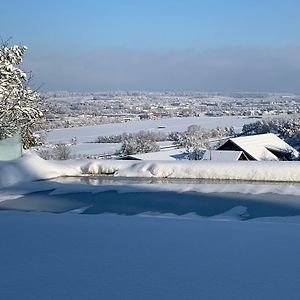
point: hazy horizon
(224, 46)
(172, 91)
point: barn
(261, 147)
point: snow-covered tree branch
(197, 139)
(19, 104)
(140, 142)
(287, 129)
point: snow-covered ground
(71, 256)
(90, 133)
(127, 196)
(126, 239)
(117, 237)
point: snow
(165, 250)
(174, 154)
(91, 195)
(218, 155)
(31, 167)
(71, 256)
(95, 148)
(238, 170)
(179, 154)
(19, 105)
(284, 194)
(257, 146)
(166, 144)
(90, 133)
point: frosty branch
(19, 104)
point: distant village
(70, 109)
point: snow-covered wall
(237, 170)
(31, 167)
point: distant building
(218, 155)
(261, 147)
(173, 154)
(180, 154)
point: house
(173, 154)
(179, 154)
(261, 147)
(219, 155)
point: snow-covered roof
(173, 154)
(166, 144)
(219, 155)
(178, 154)
(257, 146)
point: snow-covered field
(138, 232)
(131, 196)
(124, 237)
(90, 133)
(118, 238)
(71, 256)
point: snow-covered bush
(259, 127)
(19, 109)
(60, 151)
(196, 139)
(141, 142)
(45, 153)
(119, 138)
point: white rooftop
(174, 154)
(179, 154)
(221, 155)
(257, 146)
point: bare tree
(62, 151)
(45, 153)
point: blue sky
(136, 36)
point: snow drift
(31, 167)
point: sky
(200, 45)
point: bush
(141, 142)
(61, 151)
